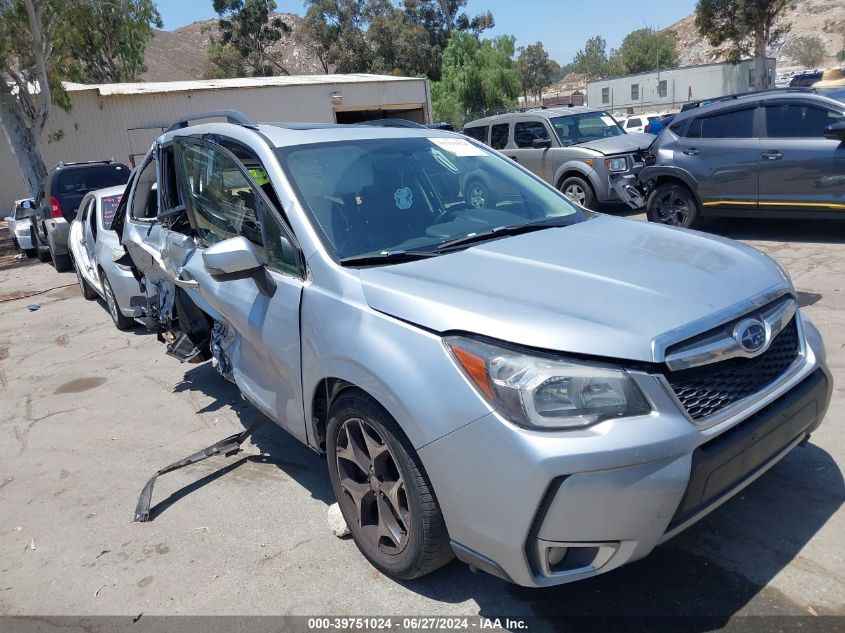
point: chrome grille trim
(723, 346)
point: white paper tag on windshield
(608, 121)
(458, 146)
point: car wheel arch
(568, 171)
(326, 391)
(661, 176)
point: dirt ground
(88, 413)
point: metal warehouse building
(121, 120)
(669, 89)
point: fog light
(556, 555)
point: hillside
(182, 54)
(825, 18)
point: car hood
(605, 287)
(620, 144)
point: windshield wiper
(501, 231)
(387, 257)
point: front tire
(674, 204)
(383, 491)
(478, 195)
(579, 190)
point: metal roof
(223, 84)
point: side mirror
(541, 143)
(835, 131)
(231, 257)
(236, 258)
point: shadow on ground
(717, 568)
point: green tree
(646, 49)
(40, 47)
(592, 61)
(808, 50)
(477, 76)
(337, 30)
(399, 46)
(108, 39)
(225, 61)
(251, 29)
(749, 26)
(442, 18)
(535, 70)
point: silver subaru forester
(544, 392)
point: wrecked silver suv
(544, 392)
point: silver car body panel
(605, 288)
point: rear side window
(794, 120)
(108, 205)
(525, 132)
(499, 136)
(479, 133)
(633, 123)
(736, 124)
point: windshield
(380, 196)
(580, 128)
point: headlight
(542, 392)
(616, 164)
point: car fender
(578, 165)
(405, 368)
(663, 171)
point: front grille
(706, 390)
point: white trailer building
(121, 120)
(670, 88)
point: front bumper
(540, 508)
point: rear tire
(674, 204)
(120, 322)
(395, 519)
(579, 190)
(87, 291)
(40, 252)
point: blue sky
(562, 25)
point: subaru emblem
(751, 335)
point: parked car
(99, 260)
(64, 188)
(579, 150)
(657, 122)
(777, 153)
(635, 123)
(18, 223)
(546, 392)
(804, 79)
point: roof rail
(388, 122)
(704, 102)
(231, 116)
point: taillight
(648, 128)
(55, 208)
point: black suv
(777, 153)
(64, 188)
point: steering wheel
(452, 212)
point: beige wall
(102, 127)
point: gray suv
(581, 151)
(545, 392)
(779, 154)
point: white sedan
(19, 224)
(102, 267)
